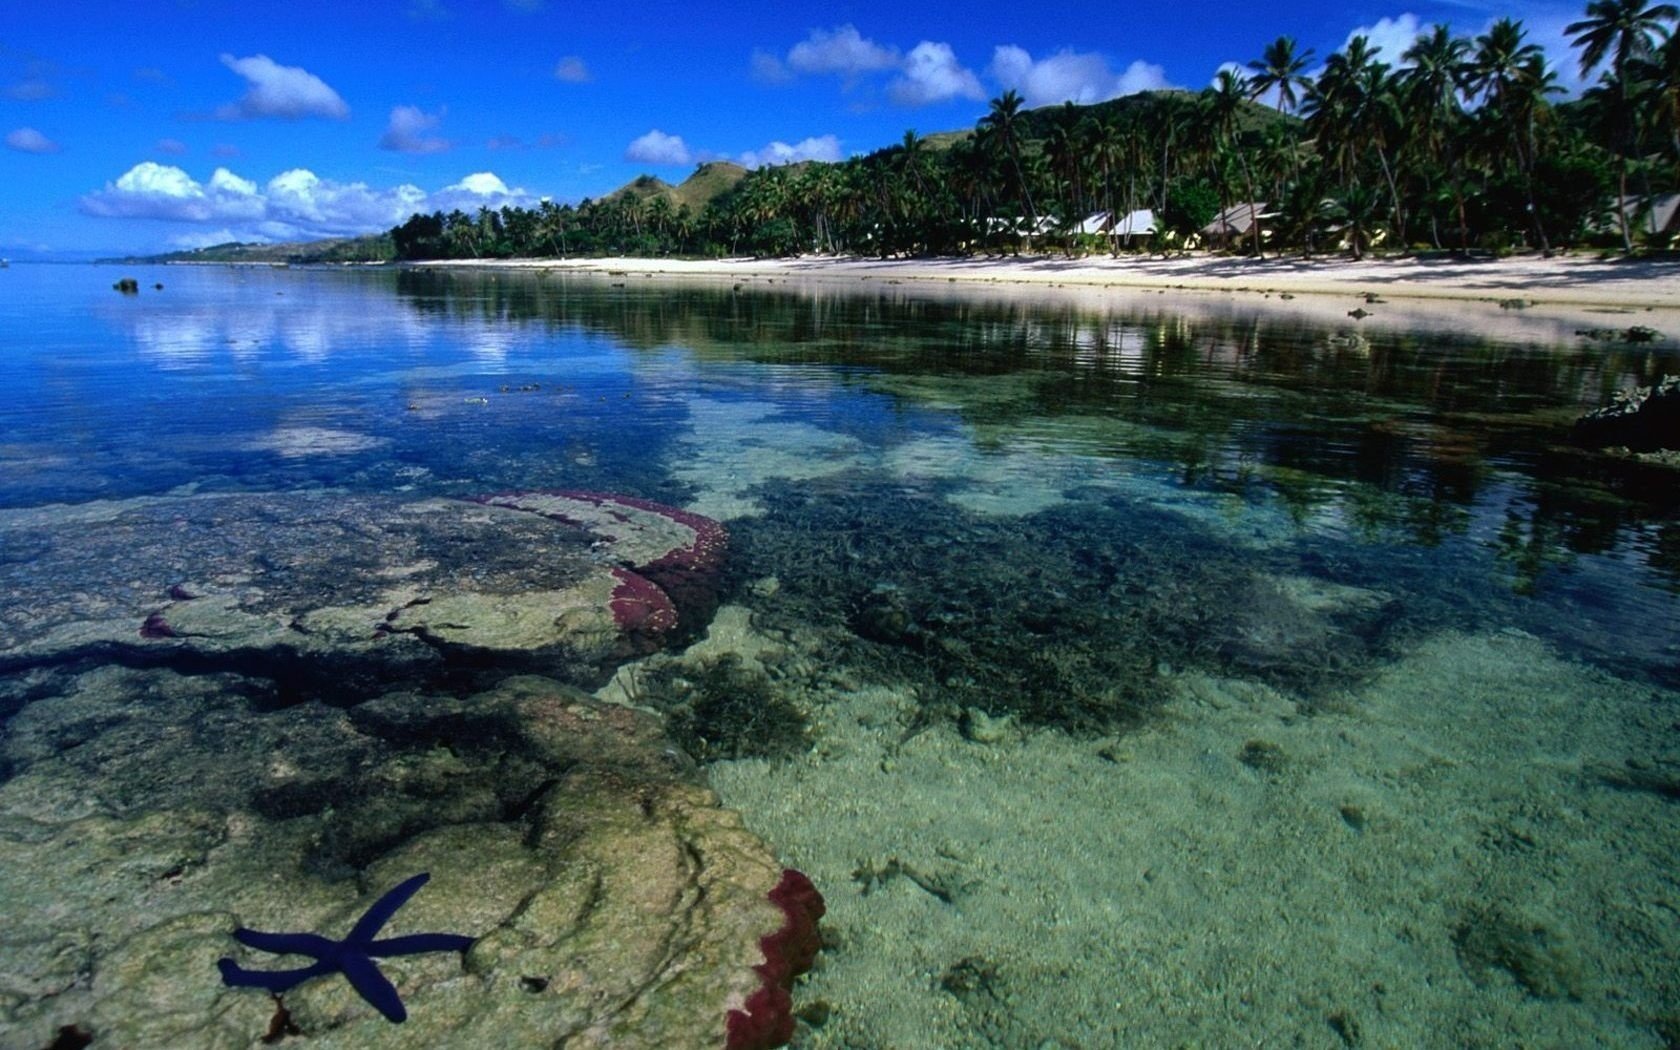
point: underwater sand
(1390, 870)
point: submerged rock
(168, 774)
(335, 596)
(613, 901)
(1646, 420)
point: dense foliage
(1459, 144)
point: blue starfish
(353, 956)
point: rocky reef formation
(678, 552)
(1645, 420)
(147, 814)
(330, 595)
(264, 711)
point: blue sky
(133, 126)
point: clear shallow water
(1049, 516)
(1429, 455)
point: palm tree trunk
(1394, 195)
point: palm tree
(1358, 210)
(1281, 68)
(1432, 91)
(1624, 31)
(1230, 90)
(551, 226)
(1512, 78)
(1004, 120)
(1337, 104)
(1663, 72)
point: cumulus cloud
(407, 132)
(1390, 37)
(931, 73)
(656, 147)
(280, 91)
(1070, 76)
(295, 204)
(28, 140)
(572, 70)
(820, 147)
(768, 69)
(841, 50)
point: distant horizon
(129, 132)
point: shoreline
(1562, 281)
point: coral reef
(617, 903)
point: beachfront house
(1652, 217)
(1140, 223)
(1236, 224)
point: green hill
(708, 182)
(376, 247)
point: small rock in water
(981, 728)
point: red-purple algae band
(765, 1020)
(639, 607)
(686, 573)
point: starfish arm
(286, 943)
(372, 985)
(277, 981)
(384, 908)
(415, 943)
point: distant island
(373, 248)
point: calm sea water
(1027, 512)
(1426, 457)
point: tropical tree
(1003, 119)
(1513, 81)
(1623, 31)
(1225, 99)
(1282, 69)
(1432, 90)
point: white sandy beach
(1563, 280)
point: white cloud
(656, 147)
(840, 50)
(1390, 37)
(820, 147)
(931, 73)
(1070, 76)
(280, 91)
(480, 184)
(28, 140)
(194, 239)
(768, 69)
(572, 70)
(293, 205)
(159, 191)
(406, 132)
